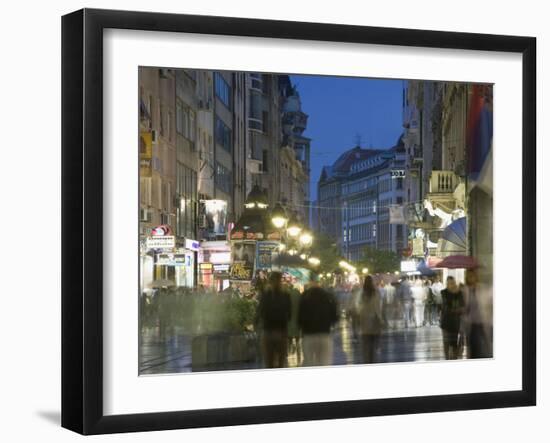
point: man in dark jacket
(273, 315)
(316, 315)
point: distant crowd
(302, 322)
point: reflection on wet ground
(174, 353)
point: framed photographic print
(269, 221)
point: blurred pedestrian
(452, 309)
(371, 319)
(294, 334)
(478, 316)
(355, 306)
(407, 303)
(274, 311)
(419, 294)
(316, 315)
(437, 287)
(429, 303)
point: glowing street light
(256, 199)
(314, 261)
(278, 216)
(294, 227)
(306, 239)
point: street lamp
(314, 261)
(294, 227)
(278, 216)
(306, 239)
(256, 199)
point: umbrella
(454, 238)
(459, 262)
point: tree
(378, 261)
(325, 249)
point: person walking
(429, 303)
(407, 303)
(437, 287)
(317, 313)
(274, 311)
(371, 319)
(419, 294)
(452, 309)
(478, 316)
(354, 306)
(294, 335)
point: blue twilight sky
(340, 108)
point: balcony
(443, 182)
(446, 190)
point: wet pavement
(174, 353)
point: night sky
(339, 108)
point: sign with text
(161, 242)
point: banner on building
(214, 217)
(397, 215)
(417, 247)
(145, 154)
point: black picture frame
(82, 229)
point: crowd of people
(302, 323)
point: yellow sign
(145, 154)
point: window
(223, 135)
(265, 167)
(187, 201)
(185, 121)
(223, 90)
(223, 178)
(179, 118)
(265, 122)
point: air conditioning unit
(154, 136)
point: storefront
(214, 262)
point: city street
(399, 345)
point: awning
(459, 262)
(454, 239)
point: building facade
(354, 199)
(206, 139)
(448, 142)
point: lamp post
(278, 216)
(294, 229)
(306, 239)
